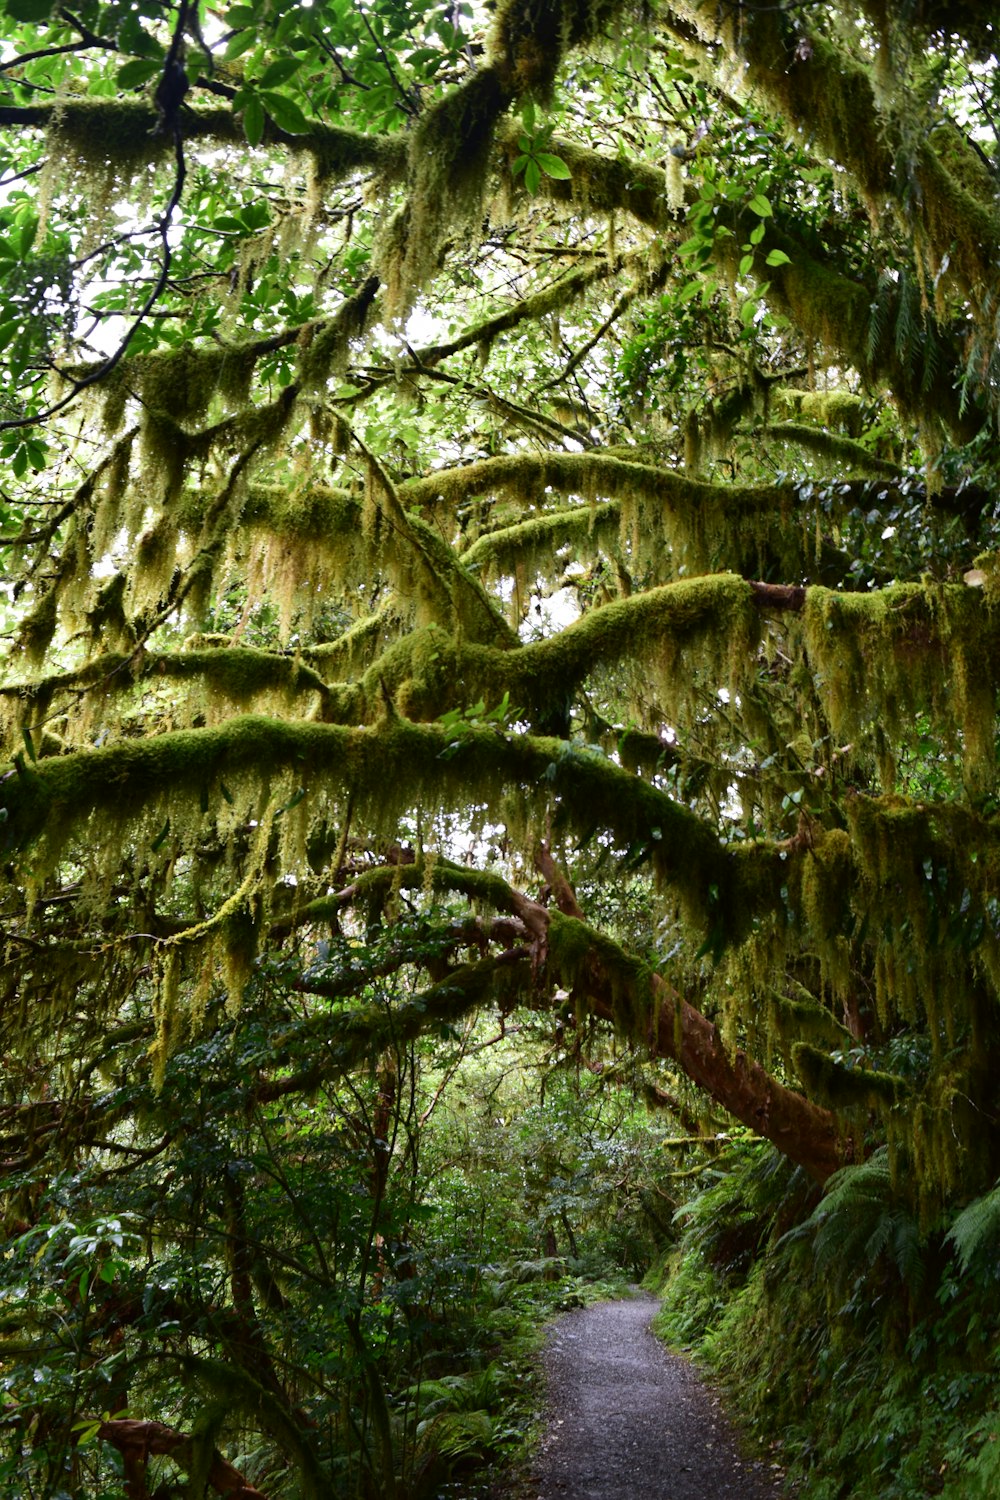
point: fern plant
(975, 1233)
(861, 1219)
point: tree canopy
(501, 502)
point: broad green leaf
(26, 235)
(778, 258)
(279, 72)
(757, 233)
(553, 166)
(285, 113)
(255, 215)
(138, 71)
(253, 121)
(532, 175)
(760, 206)
(240, 43)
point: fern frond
(977, 1228)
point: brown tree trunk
(138, 1441)
(805, 1133)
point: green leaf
(778, 258)
(253, 121)
(8, 331)
(285, 113)
(255, 215)
(757, 233)
(29, 743)
(532, 175)
(240, 43)
(293, 801)
(279, 72)
(553, 166)
(760, 206)
(519, 164)
(26, 235)
(137, 71)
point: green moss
(576, 952)
(529, 39)
(798, 1017)
(826, 884)
(883, 656)
(838, 1087)
(97, 132)
(599, 183)
(672, 523)
(532, 545)
(325, 346)
(448, 158)
(38, 626)
(837, 408)
(846, 452)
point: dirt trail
(628, 1421)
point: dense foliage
(500, 520)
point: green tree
(476, 467)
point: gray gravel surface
(628, 1421)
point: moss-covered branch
(124, 130)
(125, 791)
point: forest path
(628, 1421)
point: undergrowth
(858, 1345)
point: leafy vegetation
(498, 581)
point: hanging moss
(837, 408)
(449, 153)
(37, 628)
(839, 1087)
(670, 520)
(530, 37)
(180, 383)
(852, 455)
(100, 132)
(325, 347)
(883, 656)
(534, 545)
(826, 883)
(798, 1017)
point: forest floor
(626, 1420)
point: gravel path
(628, 1421)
